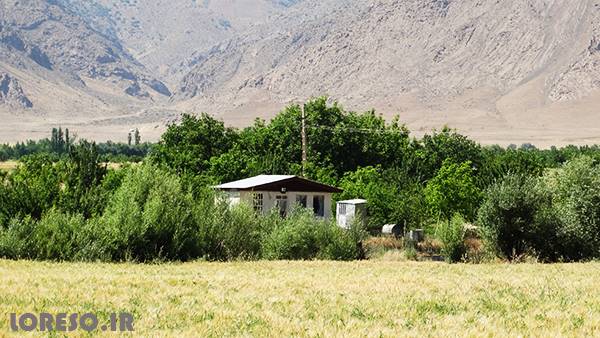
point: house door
(281, 203)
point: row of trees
(521, 197)
(60, 142)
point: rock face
(434, 51)
(11, 93)
(503, 72)
(167, 43)
(52, 37)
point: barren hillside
(501, 71)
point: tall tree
(136, 136)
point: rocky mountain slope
(504, 72)
(167, 43)
(11, 93)
(473, 64)
(50, 37)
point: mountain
(509, 71)
(502, 71)
(64, 70)
(49, 37)
(11, 93)
(105, 66)
(165, 35)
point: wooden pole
(304, 155)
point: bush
(340, 244)
(452, 235)
(294, 238)
(575, 190)
(52, 238)
(55, 236)
(516, 218)
(241, 233)
(16, 240)
(229, 232)
(149, 217)
(301, 236)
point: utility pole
(304, 155)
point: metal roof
(278, 183)
(354, 201)
(255, 181)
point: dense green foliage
(512, 217)
(575, 190)
(555, 217)
(453, 190)
(63, 203)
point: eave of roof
(269, 182)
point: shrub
(241, 233)
(576, 196)
(452, 235)
(229, 232)
(340, 244)
(51, 238)
(54, 237)
(149, 217)
(516, 218)
(16, 240)
(301, 236)
(294, 238)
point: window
(342, 210)
(319, 205)
(301, 200)
(281, 204)
(257, 201)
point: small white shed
(281, 192)
(350, 210)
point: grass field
(8, 165)
(315, 298)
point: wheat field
(8, 165)
(327, 299)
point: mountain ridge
(501, 72)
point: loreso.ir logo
(65, 322)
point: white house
(283, 192)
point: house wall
(270, 200)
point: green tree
(189, 146)
(452, 235)
(429, 154)
(82, 183)
(453, 190)
(31, 188)
(149, 217)
(136, 136)
(575, 190)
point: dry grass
(8, 165)
(316, 298)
